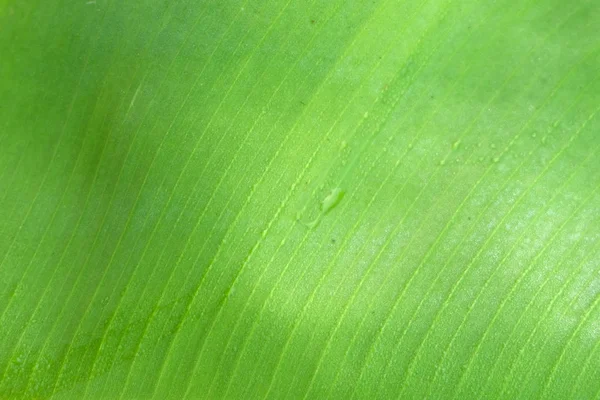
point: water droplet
(544, 140)
(343, 145)
(366, 115)
(443, 162)
(282, 242)
(332, 200)
(410, 146)
(496, 159)
(311, 225)
(533, 135)
(456, 144)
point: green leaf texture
(304, 199)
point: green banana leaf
(304, 199)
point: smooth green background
(161, 162)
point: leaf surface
(299, 199)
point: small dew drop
(366, 114)
(443, 162)
(410, 146)
(544, 140)
(313, 224)
(534, 135)
(332, 200)
(456, 144)
(496, 159)
(343, 145)
(282, 242)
